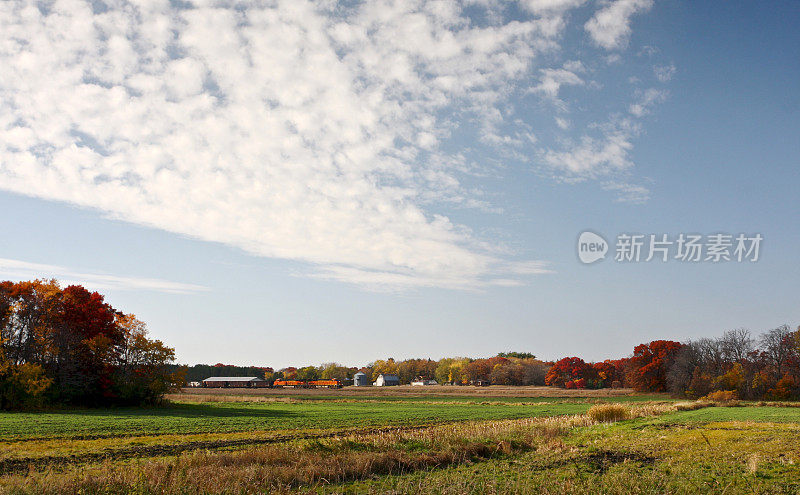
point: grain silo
(360, 379)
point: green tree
(334, 370)
(308, 373)
(518, 355)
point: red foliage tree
(568, 370)
(88, 346)
(648, 367)
(607, 372)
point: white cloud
(309, 131)
(664, 73)
(628, 193)
(23, 270)
(293, 130)
(550, 6)
(604, 151)
(594, 156)
(610, 27)
(509, 275)
(646, 100)
(551, 81)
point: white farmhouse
(387, 380)
(423, 383)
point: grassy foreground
(372, 445)
(674, 453)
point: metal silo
(360, 379)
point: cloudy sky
(346, 181)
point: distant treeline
(736, 364)
(68, 346)
(512, 370)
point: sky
(284, 183)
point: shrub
(692, 406)
(722, 396)
(609, 413)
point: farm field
(338, 443)
(198, 422)
(408, 391)
(237, 416)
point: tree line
(736, 365)
(499, 370)
(68, 346)
(743, 366)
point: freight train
(332, 383)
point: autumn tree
(21, 385)
(650, 363)
(334, 370)
(31, 312)
(567, 371)
(87, 345)
(481, 369)
(450, 370)
(70, 346)
(410, 369)
(606, 373)
(143, 371)
(383, 367)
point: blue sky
(346, 182)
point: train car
(332, 383)
(289, 383)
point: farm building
(360, 379)
(422, 382)
(235, 382)
(387, 380)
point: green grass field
(715, 414)
(371, 444)
(243, 416)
